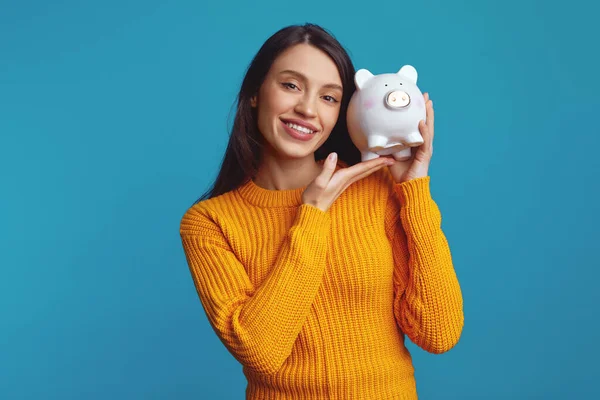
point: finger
(426, 133)
(424, 129)
(328, 169)
(364, 174)
(426, 97)
(430, 118)
(363, 166)
(346, 174)
(369, 169)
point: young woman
(312, 269)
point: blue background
(114, 119)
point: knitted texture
(316, 305)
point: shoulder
(205, 216)
(373, 190)
(381, 177)
(380, 181)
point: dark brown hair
(244, 150)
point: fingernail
(333, 156)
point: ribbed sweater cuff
(420, 213)
(414, 192)
(313, 219)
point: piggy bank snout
(397, 99)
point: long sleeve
(258, 325)
(428, 304)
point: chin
(296, 154)
(295, 150)
(289, 151)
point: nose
(306, 106)
(397, 99)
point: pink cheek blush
(369, 103)
(420, 102)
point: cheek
(267, 110)
(329, 117)
(262, 113)
(276, 101)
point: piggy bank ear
(361, 77)
(409, 72)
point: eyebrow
(304, 78)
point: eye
(330, 99)
(290, 85)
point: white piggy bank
(384, 113)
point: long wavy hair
(246, 143)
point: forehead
(310, 61)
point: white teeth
(299, 128)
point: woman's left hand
(418, 165)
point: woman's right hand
(327, 186)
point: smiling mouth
(299, 128)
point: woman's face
(302, 91)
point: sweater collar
(262, 197)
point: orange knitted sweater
(316, 305)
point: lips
(296, 134)
(301, 123)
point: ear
(253, 101)
(409, 72)
(361, 77)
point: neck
(286, 174)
